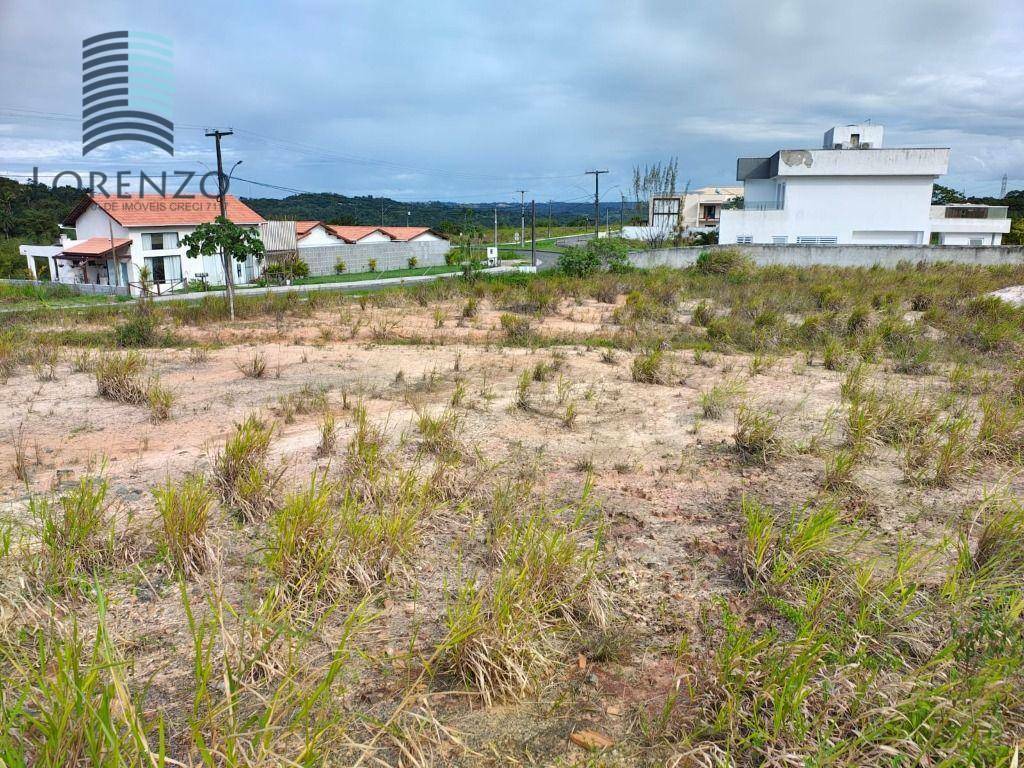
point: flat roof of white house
(902, 161)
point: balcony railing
(767, 206)
(969, 211)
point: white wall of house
(870, 210)
(319, 237)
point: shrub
(721, 262)
(288, 268)
(340, 268)
(184, 511)
(413, 261)
(610, 254)
(371, 265)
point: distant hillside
(448, 217)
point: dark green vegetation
(459, 219)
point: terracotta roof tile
(153, 210)
(96, 246)
(354, 234)
(406, 233)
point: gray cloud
(460, 100)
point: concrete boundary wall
(392, 255)
(837, 255)
(85, 289)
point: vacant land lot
(720, 516)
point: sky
(471, 101)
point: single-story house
(316, 234)
(115, 237)
(326, 246)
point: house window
(780, 239)
(817, 240)
(977, 241)
(854, 139)
(159, 241)
(164, 269)
(744, 239)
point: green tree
(945, 196)
(1016, 234)
(228, 239)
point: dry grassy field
(710, 517)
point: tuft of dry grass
(185, 510)
(77, 536)
(503, 633)
(757, 434)
(254, 366)
(119, 377)
(651, 368)
(160, 400)
(241, 475)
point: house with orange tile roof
(329, 248)
(116, 237)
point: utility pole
(229, 279)
(1002, 189)
(495, 228)
(533, 233)
(549, 218)
(382, 211)
(622, 205)
(522, 217)
(113, 255)
(597, 203)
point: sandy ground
(668, 481)
(1013, 294)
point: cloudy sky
(460, 100)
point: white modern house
(694, 211)
(697, 210)
(854, 191)
(114, 237)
